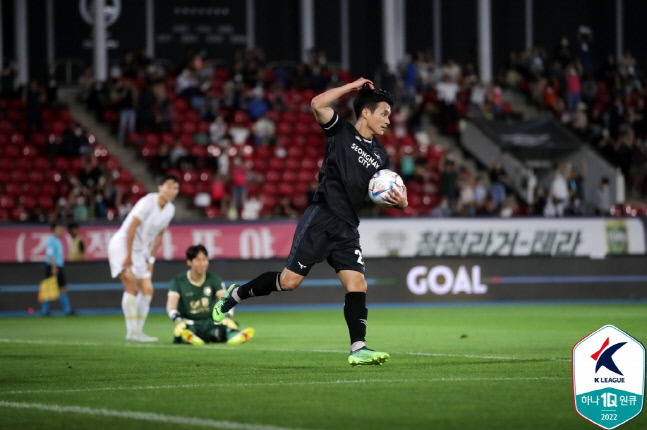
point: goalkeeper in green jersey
(191, 297)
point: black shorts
(321, 235)
(60, 276)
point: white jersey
(153, 221)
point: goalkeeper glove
(179, 327)
(179, 323)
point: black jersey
(349, 163)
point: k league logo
(608, 377)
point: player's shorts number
(360, 260)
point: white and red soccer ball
(381, 183)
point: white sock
(357, 345)
(143, 304)
(128, 305)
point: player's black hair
(165, 178)
(369, 98)
(55, 224)
(193, 251)
(72, 225)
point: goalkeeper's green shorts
(209, 331)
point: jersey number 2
(360, 260)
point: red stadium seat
(125, 177)
(49, 189)
(28, 202)
(270, 189)
(276, 164)
(260, 165)
(152, 139)
(205, 175)
(138, 189)
(18, 176)
(187, 189)
(241, 117)
(31, 189)
(7, 202)
(212, 212)
(295, 152)
(76, 164)
(308, 164)
(203, 187)
(305, 176)
(253, 188)
(262, 152)
(46, 202)
(199, 151)
(292, 164)
(38, 139)
(24, 164)
(61, 164)
(112, 162)
(301, 128)
(284, 129)
(272, 176)
(12, 151)
(148, 152)
(17, 139)
(41, 163)
(6, 127)
(188, 127)
(286, 189)
(189, 176)
(289, 176)
(300, 201)
(269, 202)
(29, 151)
(180, 105)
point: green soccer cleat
(218, 314)
(365, 356)
(241, 337)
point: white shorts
(117, 255)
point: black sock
(356, 313)
(262, 285)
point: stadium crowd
(604, 104)
(231, 133)
(53, 168)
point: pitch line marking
(282, 383)
(143, 416)
(246, 347)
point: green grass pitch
(474, 367)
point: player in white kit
(131, 253)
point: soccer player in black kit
(328, 228)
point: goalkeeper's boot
(364, 356)
(241, 337)
(189, 337)
(230, 323)
(223, 305)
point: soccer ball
(381, 183)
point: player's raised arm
(322, 104)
